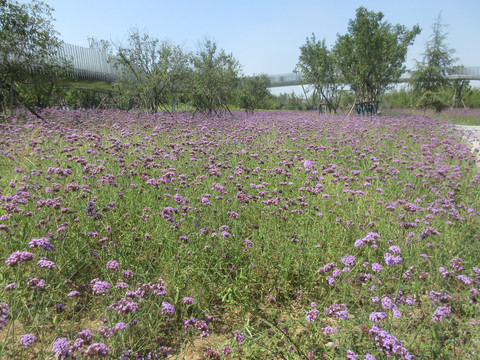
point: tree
(459, 86)
(30, 67)
(153, 72)
(101, 45)
(319, 68)
(215, 79)
(371, 56)
(290, 101)
(430, 75)
(253, 92)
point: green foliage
(153, 73)
(472, 98)
(431, 73)
(401, 98)
(214, 80)
(290, 101)
(146, 177)
(86, 99)
(253, 92)
(371, 55)
(429, 78)
(100, 45)
(319, 68)
(30, 70)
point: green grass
(408, 179)
(93, 85)
(458, 116)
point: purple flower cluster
(311, 315)
(338, 311)
(168, 308)
(100, 287)
(369, 240)
(27, 340)
(441, 313)
(187, 300)
(124, 307)
(348, 260)
(392, 260)
(389, 344)
(97, 349)
(44, 243)
(127, 184)
(3, 314)
(62, 348)
(377, 316)
(200, 325)
(18, 257)
(45, 263)
(113, 265)
(239, 336)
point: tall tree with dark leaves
(429, 78)
(216, 77)
(371, 55)
(253, 92)
(153, 72)
(319, 68)
(30, 66)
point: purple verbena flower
(44, 243)
(46, 264)
(167, 308)
(18, 257)
(62, 348)
(456, 264)
(127, 274)
(464, 279)
(389, 344)
(351, 355)
(441, 313)
(187, 300)
(338, 311)
(392, 260)
(394, 249)
(113, 265)
(124, 306)
(348, 260)
(97, 349)
(86, 335)
(35, 283)
(238, 336)
(100, 287)
(377, 267)
(27, 340)
(10, 287)
(3, 308)
(377, 316)
(387, 303)
(311, 315)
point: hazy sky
(264, 36)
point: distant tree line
(155, 75)
(370, 58)
(357, 73)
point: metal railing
(90, 64)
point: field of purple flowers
(275, 235)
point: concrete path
(473, 136)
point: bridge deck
(90, 64)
